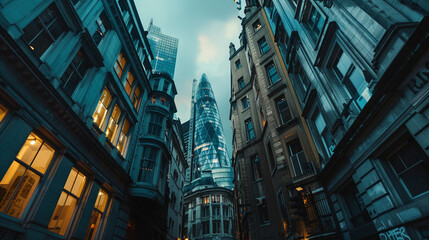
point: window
(165, 87)
(205, 211)
(102, 106)
(411, 164)
(216, 210)
(256, 165)
(147, 165)
(113, 123)
(245, 102)
(21, 179)
(206, 227)
(241, 83)
(323, 131)
(44, 30)
(300, 80)
(175, 175)
(3, 112)
(74, 73)
(215, 198)
(256, 25)
(263, 45)
(283, 110)
(297, 157)
(271, 156)
(206, 199)
(272, 72)
(249, 129)
(66, 204)
(155, 124)
(262, 211)
(97, 214)
(120, 64)
(155, 84)
(226, 226)
(123, 137)
(352, 77)
(238, 64)
(315, 22)
(102, 27)
(136, 98)
(225, 211)
(216, 226)
(128, 83)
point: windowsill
(287, 125)
(245, 109)
(12, 223)
(265, 224)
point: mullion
(14, 191)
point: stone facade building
(275, 159)
(359, 71)
(76, 102)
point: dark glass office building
(164, 48)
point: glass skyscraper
(164, 49)
(209, 153)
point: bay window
(148, 164)
(155, 124)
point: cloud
(208, 50)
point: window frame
(104, 215)
(238, 64)
(263, 45)
(256, 167)
(240, 82)
(73, 70)
(286, 110)
(270, 75)
(244, 100)
(251, 130)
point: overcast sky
(204, 28)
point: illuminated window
(67, 202)
(97, 214)
(21, 179)
(148, 164)
(256, 25)
(263, 45)
(3, 112)
(44, 30)
(206, 199)
(74, 73)
(101, 110)
(128, 83)
(163, 101)
(123, 137)
(136, 98)
(113, 123)
(153, 100)
(272, 72)
(215, 198)
(120, 64)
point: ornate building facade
(80, 154)
(359, 74)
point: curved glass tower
(209, 154)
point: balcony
(301, 168)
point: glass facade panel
(210, 151)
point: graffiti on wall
(395, 234)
